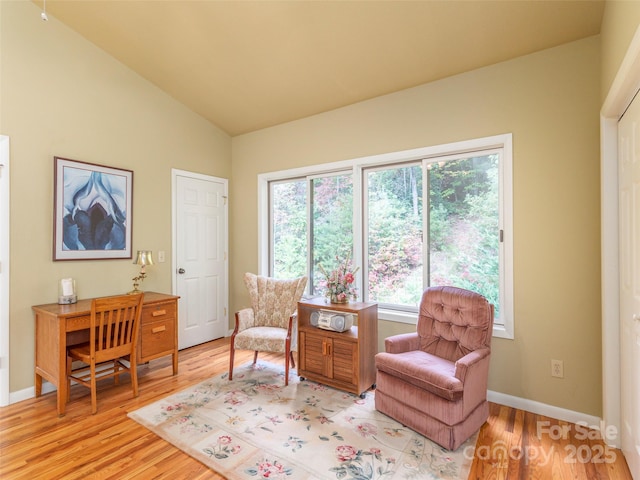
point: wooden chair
(270, 324)
(115, 322)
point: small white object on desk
(67, 286)
(67, 291)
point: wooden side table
(344, 360)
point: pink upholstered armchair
(269, 325)
(434, 381)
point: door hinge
(225, 199)
(501, 236)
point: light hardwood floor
(36, 444)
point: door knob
(181, 271)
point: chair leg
(293, 360)
(232, 352)
(94, 401)
(287, 357)
(286, 369)
(133, 370)
(69, 363)
(116, 368)
(255, 357)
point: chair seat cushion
(263, 339)
(434, 374)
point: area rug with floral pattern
(254, 427)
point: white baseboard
(27, 393)
(543, 409)
(47, 387)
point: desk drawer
(78, 323)
(158, 312)
(157, 338)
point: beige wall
(550, 102)
(62, 96)
(619, 25)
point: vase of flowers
(340, 282)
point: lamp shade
(144, 257)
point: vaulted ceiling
(247, 65)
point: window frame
(424, 154)
(365, 228)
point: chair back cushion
(454, 322)
(274, 300)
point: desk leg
(51, 356)
(62, 398)
(62, 392)
(174, 356)
(38, 385)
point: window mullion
(359, 247)
(426, 251)
(310, 267)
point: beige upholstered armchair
(269, 325)
(434, 381)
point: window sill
(398, 316)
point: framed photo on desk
(92, 211)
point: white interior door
(201, 273)
(629, 221)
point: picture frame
(92, 211)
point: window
(394, 235)
(288, 229)
(413, 219)
(302, 243)
(331, 225)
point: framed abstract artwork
(92, 211)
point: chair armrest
(473, 371)
(292, 328)
(467, 364)
(244, 320)
(404, 342)
(292, 333)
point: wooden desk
(59, 326)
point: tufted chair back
(273, 301)
(454, 322)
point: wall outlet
(557, 368)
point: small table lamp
(143, 258)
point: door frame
(4, 270)
(175, 173)
(620, 95)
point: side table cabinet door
(312, 353)
(345, 361)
